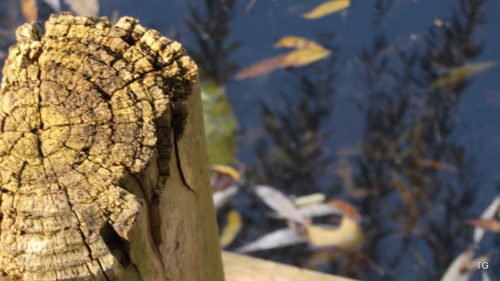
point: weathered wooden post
(103, 168)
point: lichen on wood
(79, 111)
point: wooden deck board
(244, 268)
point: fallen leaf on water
(232, 228)
(346, 209)
(224, 176)
(221, 197)
(277, 239)
(310, 199)
(348, 235)
(489, 225)
(487, 214)
(226, 170)
(319, 210)
(89, 8)
(306, 52)
(460, 73)
(327, 8)
(303, 57)
(483, 258)
(277, 201)
(54, 4)
(30, 10)
(261, 67)
(296, 42)
(459, 266)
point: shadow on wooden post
(103, 166)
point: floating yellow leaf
(460, 73)
(226, 170)
(327, 8)
(30, 10)
(348, 235)
(303, 57)
(232, 228)
(319, 210)
(296, 42)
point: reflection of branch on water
(409, 135)
(380, 9)
(296, 135)
(211, 31)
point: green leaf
(220, 124)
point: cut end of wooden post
(78, 112)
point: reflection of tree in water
(418, 186)
(211, 31)
(412, 181)
(294, 156)
(211, 51)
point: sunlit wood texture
(103, 167)
(244, 268)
